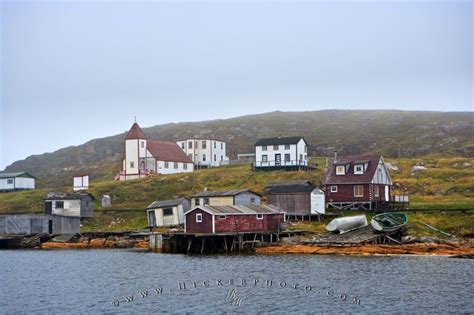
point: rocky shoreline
(425, 249)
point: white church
(144, 157)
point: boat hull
(346, 224)
(389, 222)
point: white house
(16, 181)
(281, 152)
(80, 182)
(167, 212)
(205, 152)
(144, 156)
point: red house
(233, 219)
(358, 182)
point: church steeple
(135, 133)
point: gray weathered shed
(69, 204)
(167, 212)
(39, 223)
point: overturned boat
(346, 224)
(389, 221)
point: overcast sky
(74, 71)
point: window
(182, 145)
(196, 202)
(175, 165)
(358, 169)
(259, 216)
(215, 143)
(301, 157)
(190, 145)
(185, 166)
(379, 169)
(167, 165)
(196, 144)
(305, 149)
(59, 204)
(333, 189)
(264, 148)
(275, 147)
(222, 217)
(190, 156)
(206, 201)
(252, 200)
(376, 191)
(143, 144)
(167, 211)
(222, 158)
(215, 158)
(265, 158)
(142, 165)
(199, 217)
(204, 158)
(287, 146)
(222, 146)
(358, 191)
(132, 164)
(287, 157)
(10, 181)
(204, 144)
(340, 170)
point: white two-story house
(205, 152)
(281, 153)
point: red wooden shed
(233, 219)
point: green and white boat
(389, 221)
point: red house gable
(167, 151)
(135, 133)
(370, 163)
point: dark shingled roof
(350, 177)
(135, 133)
(14, 174)
(291, 183)
(166, 203)
(167, 151)
(241, 209)
(289, 189)
(279, 140)
(67, 196)
(234, 192)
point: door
(387, 195)
(278, 159)
(50, 226)
(151, 218)
(48, 207)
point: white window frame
(167, 165)
(222, 217)
(176, 165)
(259, 216)
(198, 217)
(334, 189)
(264, 148)
(376, 191)
(287, 146)
(358, 172)
(185, 166)
(339, 168)
(10, 181)
(264, 158)
(132, 164)
(356, 191)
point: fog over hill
(409, 133)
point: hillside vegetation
(349, 132)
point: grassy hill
(447, 183)
(348, 131)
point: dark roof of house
(279, 140)
(241, 209)
(14, 174)
(234, 192)
(167, 151)
(291, 183)
(166, 203)
(350, 177)
(135, 133)
(67, 196)
(289, 189)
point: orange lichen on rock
(407, 249)
(55, 245)
(141, 244)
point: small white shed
(16, 181)
(81, 182)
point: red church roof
(167, 151)
(135, 133)
(350, 177)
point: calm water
(99, 281)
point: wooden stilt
(203, 242)
(190, 242)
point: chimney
(335, 156)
